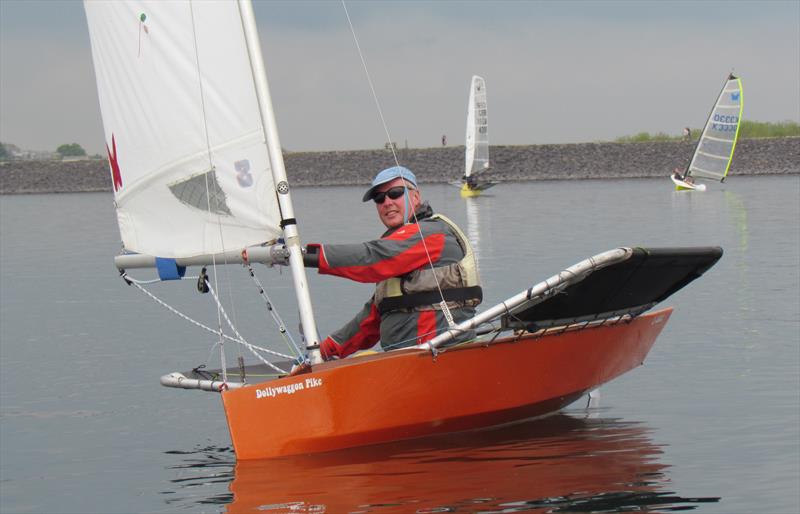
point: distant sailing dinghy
(685, 183)
(476, 158)
(714, 151)
(199, 181)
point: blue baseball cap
(388, 175)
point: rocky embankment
(773, 156)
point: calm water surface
(710, 423)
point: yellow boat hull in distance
(681, 185)
(412, 393)
(468, 192)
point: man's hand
(330, 349)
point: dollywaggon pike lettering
(271, 392)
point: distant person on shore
(422, 259)
(444, 139)
(687, 133)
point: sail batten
(711, 138)
(189, 164)
(712, 156)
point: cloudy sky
(556, 72)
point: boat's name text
(271, 392)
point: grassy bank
(748, 130)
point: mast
(739, 123)
(288, 221)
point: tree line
(65, 150)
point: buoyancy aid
(418, 290)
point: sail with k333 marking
(714, 152)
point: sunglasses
(393, 194)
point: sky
(556, 72)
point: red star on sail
(112, 160)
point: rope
(443, 304)
(154, 281)
(230, 324)
(371, 87)
(208, 192)
(253, 348)
(287, 336)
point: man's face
(392, 210)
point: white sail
(477, 140)
(714, 152)
(189, 164)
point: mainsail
(477, 140)
(714, 151)
(185, 138)
(194, 152)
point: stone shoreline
(768, 156)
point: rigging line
(222, 310)
(155, 280)
(212, 169)
(287, 336)
(435, 332)
(253, 348)
(394, 156)
(371, 87)
(205, 178)
(201, 325)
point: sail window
(202, 192)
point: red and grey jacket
(410, 265)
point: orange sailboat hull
(410, 393)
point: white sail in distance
(189, 164)
(714, 152)
(477, 139)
